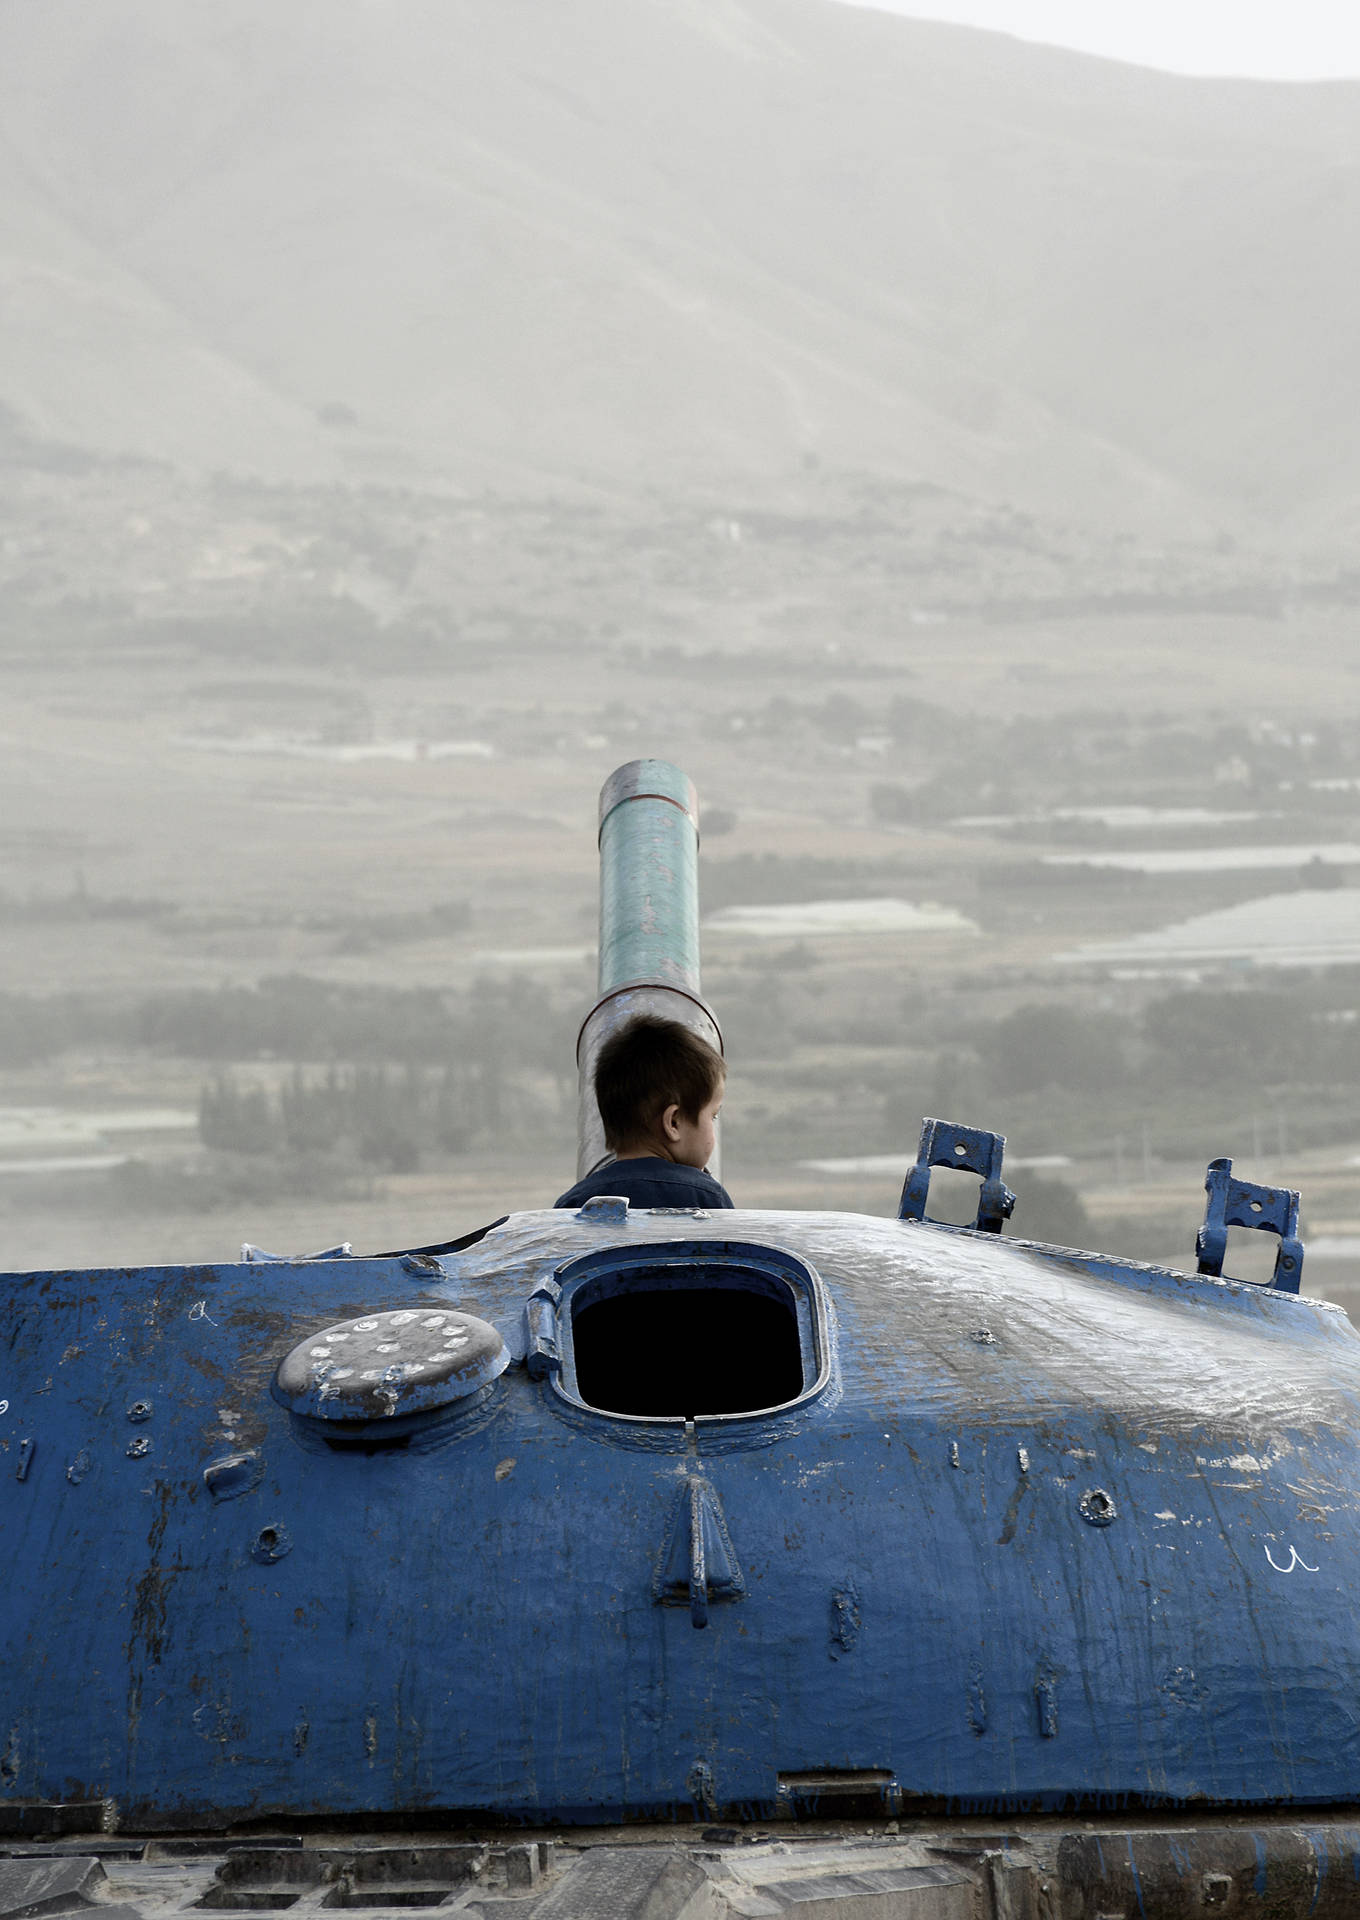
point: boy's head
(658, 1087)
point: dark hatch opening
(669, 1351)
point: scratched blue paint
(471, 1621)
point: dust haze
(945, 449)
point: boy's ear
(669, 1121)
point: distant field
(136, 864)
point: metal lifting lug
(1241, 1203)
(604, 1210)
(543, 1356)
(697, 1564)
(945, 1144)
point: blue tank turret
(909, 1568)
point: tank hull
(1041, 1531)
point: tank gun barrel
(649, 924)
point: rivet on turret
(271, 1543)
(1097, 1508)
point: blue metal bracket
(943, 1144)
(697, 1564)
(604, 1210)
(543, 1355)
(1240, 1203)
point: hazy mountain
(677, 241)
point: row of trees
(391, 1074)
(292, 1017)
(1143, 751)
(384, 1118)
(373, 1078)
(1303, 1031)
(1195, 1037)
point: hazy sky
(1272, 39)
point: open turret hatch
(683, 1330)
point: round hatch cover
(382, 1365)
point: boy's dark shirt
(649, 1181)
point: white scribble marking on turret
(1295, 1560)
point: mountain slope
(92, 357)
(674, 241)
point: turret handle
(945, 1144)
(1241, 1203)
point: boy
(659, 1088)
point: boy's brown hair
(649, 1065)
